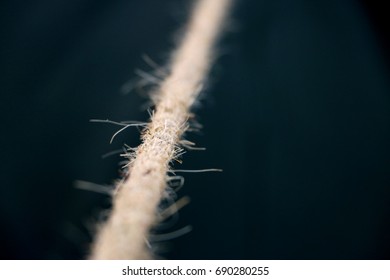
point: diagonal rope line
(134, 206)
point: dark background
(296, 113)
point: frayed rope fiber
(134, 206)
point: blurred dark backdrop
(296, 113)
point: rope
(134, 206)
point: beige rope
(134, 206)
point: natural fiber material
(134, 206)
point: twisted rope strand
(134, 207)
